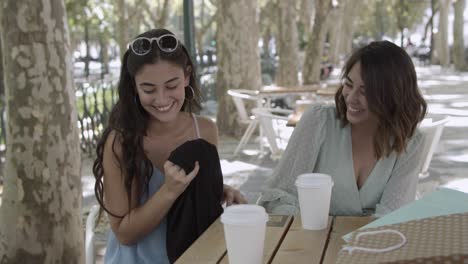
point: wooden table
(322, 95)
(285, 241)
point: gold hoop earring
(193, 92)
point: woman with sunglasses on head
(135, 183)
(367, 142)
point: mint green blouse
(319, 143)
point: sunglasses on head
(142, 45)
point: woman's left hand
(232, 196)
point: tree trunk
(164, 14)
(2, 106)
(200, 35)
(2, 86)
(335, 33)
(313, 55)
(40, 217)
(87, 45)
(348, 26)
(443, 48)
(122, 27)
(238, 56)
(269, 27)
(380, 18)
(432, 51)
(103, 41)
(199, 46)
(267, 36)
(307, 13)
(401, 8)
(288, 46)
(458, 40)
(430, 22)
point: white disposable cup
(244, 230)
(314, 191)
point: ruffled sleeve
(401, 186)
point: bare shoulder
(208, 129)
(113, 145)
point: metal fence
(94, 100)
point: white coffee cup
(314, 191)
(244, 230)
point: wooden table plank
(277, 227)
(341, 226)
(302, 246)
(210, 247)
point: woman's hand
(176, 180)
(231, 195)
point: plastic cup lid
(244, 214)
(313, 180)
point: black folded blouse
(200, 204)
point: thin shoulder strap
(195, 121)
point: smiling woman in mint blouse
(368, 141)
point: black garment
(200, 204)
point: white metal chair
(89, 234)
(432, 132)
(238, 96)
(277, 136)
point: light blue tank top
(152, 248)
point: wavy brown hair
(392, 94)
(129, 121)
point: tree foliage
(388, 18)
(99, 20)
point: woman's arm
(401, 186)
(232, 196)
(140, 220)
(280, 194)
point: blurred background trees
(279, 42)
(293, 41)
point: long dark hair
(392, 94)
(129, 121)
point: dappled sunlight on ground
(458, 77)
(87, 183)
(231, 167)
(456, 158)
(458, 184)
(247, 176)
(444, 110)
(430, 83)
(252, 152)
(443, 97)
(433, 76)
(459, 104)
